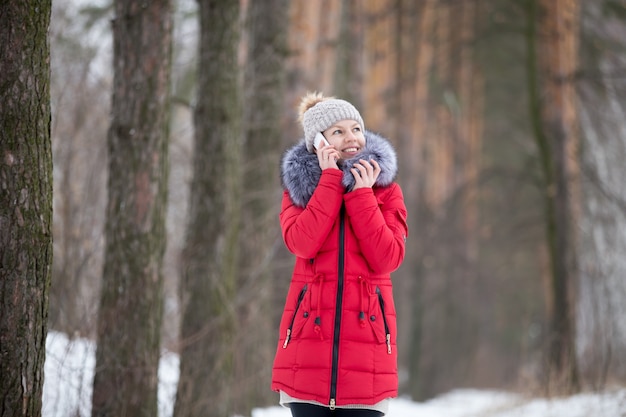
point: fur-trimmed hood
(300, 170)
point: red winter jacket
(337, 340)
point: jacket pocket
(387, 333)
(295, 326)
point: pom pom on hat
(317, 113)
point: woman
(344, 219)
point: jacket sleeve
(380, 226)
(305, 229)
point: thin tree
(209, 264)
(79, 123)
(415, 105)
(553, 119)
(129, 321)
(601, 296)
(264, 85)
(348, 75)
(25, 203)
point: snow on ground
(69, 369)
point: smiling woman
(344, 219)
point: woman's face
(347, 137)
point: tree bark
(210, 256)
(553, 123)
(414, 61)
(380, 58)
(601, 301)
(264, 86)
(131, 303)
(25, 203)
(469, 126)
(348, 79)
(78, 126)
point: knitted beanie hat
(317, 113)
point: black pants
(312, 410)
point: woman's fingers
(365, 173)
(376, 167)
(328, 157)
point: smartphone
(319, 141)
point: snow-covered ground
(69, 373)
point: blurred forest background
(509, 119)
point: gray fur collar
(300, 171)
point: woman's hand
(365, 173)
(328, 157)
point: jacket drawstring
(362, 286)
(318, 318)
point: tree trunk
(554, 119)
(210, 256)
(25, 203)
(380, 58)
(129, 322)
(601, 306)
(348, 79)
(79, 124)
(264, 85)
(469, 127)
(414, 62)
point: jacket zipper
(338, 306)
(293, 318)
(382, 310)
